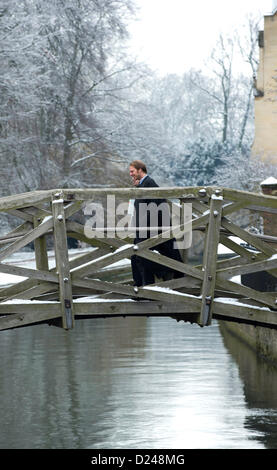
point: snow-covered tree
(55, 58)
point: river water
(134, 383)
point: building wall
(262, 340)
(265, 141)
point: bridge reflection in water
(133, 383)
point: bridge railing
(99, 282)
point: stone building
(265, 91)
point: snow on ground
(223, 250)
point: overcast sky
(173, 36)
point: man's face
(135, 174)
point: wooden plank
(227, 209)
(20, 320)
(222, 310)
(82, 259)
(27, 272)
(147, 292)
(28, 238)
(33, 306)
(232, 311)
(36, 197)
(32, 291)
(175, 284)
(20, 213)
(230, 262)
(232, 207)
(18, 201)
(237, 248)
(18, 231)
(261, 297)
(248, 237)
(7, 241)
(35, 312)
(210, 258)
(70, 208)
(171, 263)
(132, 193)
(62, 263)
(261, 209)
(100, 242)
(40, 249)
(255, 267)
(6, 292)
(123, 307)
(249, 198)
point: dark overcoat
(144, 271)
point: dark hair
(138, 164)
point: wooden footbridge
(98, 282)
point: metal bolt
(253, 257)
(276, 301)
(202, 192)
(135, 248)
(65, 279)
(215, 213)
(60, 217)
(136, 289)
(217, 192)
(210, 278)
(57, 195)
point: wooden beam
(263, 298)
(62, 263)
(18, 201)
(210, 259)
(147, 292)
(132, 193)
(28, 238)
(123, 307)
(248, 237)
(229, 309)
(29, 273)
(40, 249)
(253, 199)
(171, 263)
(255, 267)
(37, 314)
(237, 248)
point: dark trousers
(144, 270)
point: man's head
(137, 171)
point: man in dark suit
(143, 270)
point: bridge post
(62, 261)
(40, 248)
(210, 259)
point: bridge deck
(98, 282)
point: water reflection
(260, 386)
(124, 383)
